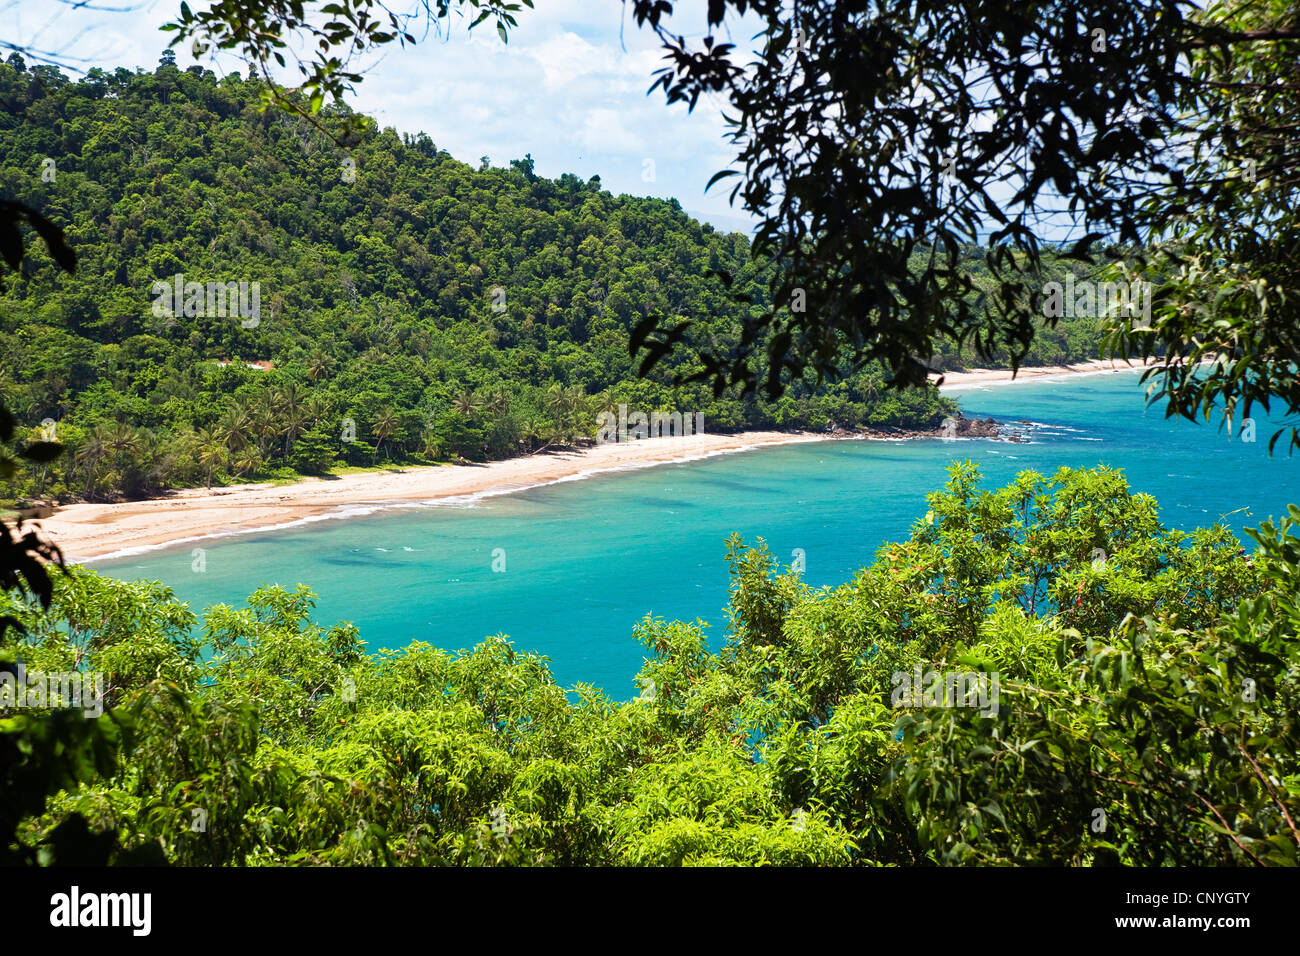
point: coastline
(977, 377)
(92, 531)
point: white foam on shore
(471, 500)
(452, 501)
(1062, 428)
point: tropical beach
(409, 459)
(583, 560)
(90, 530)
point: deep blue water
(585, 560)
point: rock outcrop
(974, 428)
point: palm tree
(292, 414)
(146, 466)
(576, 399)
(235, 426)
(315, 410)
(122, 438)
(466, 402)
(293, 426)
(268, 422)
(123, 446)
(555, 405)
(212, 453)
(89, 457)
(248, 460)
(565, 404)
(287, 396)
(498, 400)
(318, 366)
(533, 432)
(384, 428)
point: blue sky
(566, 88)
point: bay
(579, 563)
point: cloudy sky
(569, 88)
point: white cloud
(566, 57)
(602, 131)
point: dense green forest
(411, 308)
(1146, 714)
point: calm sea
(578, 563)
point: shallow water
(580, 562)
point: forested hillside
(446, 310)
(410, 307)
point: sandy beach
(86, 531)
(990, 376)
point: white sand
(991, 376)
(89, 530)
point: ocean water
(579, 563)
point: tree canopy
(1144, 714)
(868, 131)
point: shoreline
(90, 531)
(977, 377)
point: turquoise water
(585, 560)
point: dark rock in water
(974, 428)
